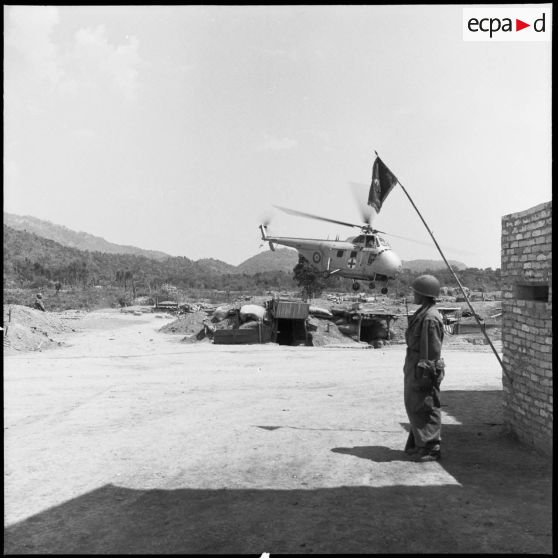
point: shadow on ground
(502, 506)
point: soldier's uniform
(39, 304)
(423, 372)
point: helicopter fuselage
(366, 257)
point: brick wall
(527, 324)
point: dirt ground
(123, 439)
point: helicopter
(366, 257)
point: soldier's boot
(432, 453)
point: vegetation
(309, 278)
(72, 298)
(479, 280)
(33, 262)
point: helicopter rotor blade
(360, 196)
(407, 238)
(317, 217)
(454, 250)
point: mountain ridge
(75, 239)
(282, 259)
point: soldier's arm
(424, 340)
(430, 341)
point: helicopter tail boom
(265, 237)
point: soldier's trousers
(422, 405)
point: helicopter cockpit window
(358, 240)
(371, 242)
(383, 242)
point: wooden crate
(260, 334)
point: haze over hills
(282, 259)
(217, 266)
(32, 259)
(73, 239)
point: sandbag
(221, 312)
(320, 312)
(348, 329)
(252, 311)
(249, 325)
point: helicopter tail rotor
(267, 217)
(265, 220)
(263, 230)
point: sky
(178, 128)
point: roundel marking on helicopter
(317, 257)
(351, 263)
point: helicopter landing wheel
(372, 285)
(356, 286)
(384, 290)
(325, 274)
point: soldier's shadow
(379, 454)
(474, 432)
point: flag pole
(482, 328)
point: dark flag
(382, 184)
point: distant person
(39, 304)
(57, 286)
(423, 372)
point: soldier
(424, 371)
(39, 304)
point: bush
(75, 298)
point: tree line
(35, 262)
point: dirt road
(128, 441)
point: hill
(282, 259)
(33, 261)
(28, 256)
(37, 262)
(432, 265)
(73, 239)
(217, 266)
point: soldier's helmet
(39, 295)
(426, 285)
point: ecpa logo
(507, 24)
